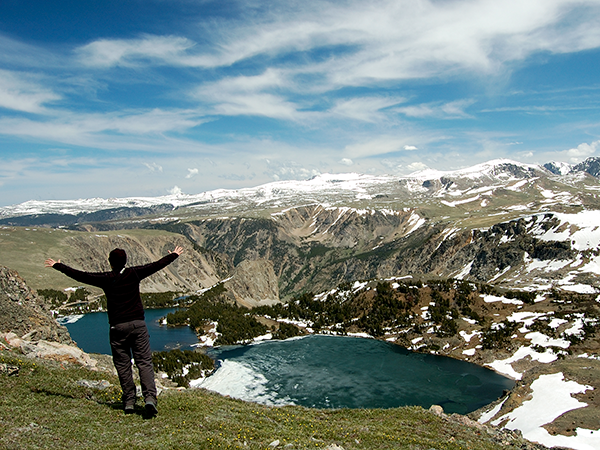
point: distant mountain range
(501, 222)
(351, 189)
(590, 166)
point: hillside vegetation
(56, 406)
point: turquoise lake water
(90, 331)
(343, 372)
(322, 371)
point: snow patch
(242, 382)
(551, 397)
(504, 366)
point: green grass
(44, 407)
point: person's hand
(50, 262)
(178, 250)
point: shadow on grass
(138, 410)
(81, 395)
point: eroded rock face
(27, 325)
(24, 313)
(254, 283)
(191, 271)
(48, 350)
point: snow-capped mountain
(450, 188)
(590, 166)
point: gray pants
(132, 339)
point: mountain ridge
(331, 189)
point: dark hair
(117, 259)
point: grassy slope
(43, 407)
(25, 249)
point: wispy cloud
(259, 95)
(382, 40)
(191, 173)
(22, 92)
(451, 110)
(153, 167)
(366, 109)
(99, 130)
(146, 50)
(379, 146)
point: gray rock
(437, 410)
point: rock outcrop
(27, 325)
(254, 283)
(24, 313)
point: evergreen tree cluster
(286, 331)
(234, 324)
(499, 335)
(181, 366)
(55, 297)
(388, 309)
(75, 303)
(155, 300)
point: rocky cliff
(26, 324)
(253, 283)
(24, 313)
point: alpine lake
(318, 371)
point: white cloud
(451, 110)
(257, 104)
(126, 130)
(416, 166)
(20, 92)
(191, 173)
(379, 146)
(347, 161)
(365, 108)
(251, 95)
(290, 170)
(154, 167)
(175, 190)
(410, 147)
(383, 40)
(582, 151)
(113, 52)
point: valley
(497, 264)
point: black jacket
(122, 289)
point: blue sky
(104, 98)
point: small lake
(320, 371)
(90, 331)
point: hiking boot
(129, 409)
(151, 409)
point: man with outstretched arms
(128, 332)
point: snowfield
(552, 397)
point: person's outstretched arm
(50, 262)
(149, 269)
(178, 250)
(94, 279)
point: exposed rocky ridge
(591, 166)
(312, 248)
(253, 283)
(104, 215)
(27, 324)
(193, 270)
(468, 224)
(315, 248)
(24, 313)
